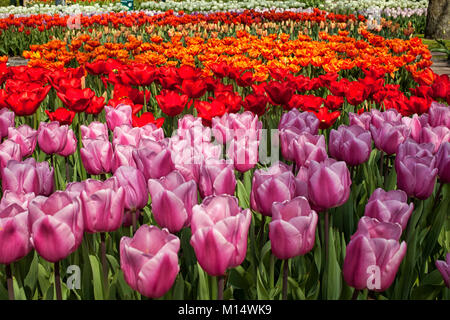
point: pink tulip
(9, 150)
(95, 130)
(123, 156)
(362, 120)
(309, 148)
(102, 204)
(219, 233)
(52, 137)
(303, 121)
(328, 184)
(388, 137)
(24, 136)
(118, 116)
(350, 144)
(443, 162)
(439, 115)
(97, 156)
(135, 187)
(244, 152)
(444, 269)
(366, 258)
(21, 199)
(172, 200)
(414, 125)
(380, 118)
(435, 135)
(14, 235)
(276, 184)
(6, 121)
(71, 144)
(287, 139)
(45, 174)
(216, 178)
(232, 125)
(389, 206)
(56, 225)
(149, 260)
(152, 132)
(126, 135)
(374, 228)
(154, 162)
(20, 177)
(292, 230)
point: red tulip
(25, 103)
(62, 115)
(171, 103)
(146, 118)
(193, 88)
(76, 99)
(326, 119)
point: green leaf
(203, 288)
(97, 278)
(242, 195)
(260, 289)
(333, 270)
(32, 276)
(178, 290)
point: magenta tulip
(444, 269)
(45, 174)
(435, 135)
(439, 115)
(372, 263)
(443, 162)
(309, 148)
(328, 184)
(276, 184)
(149, 260)
(388, 137)
(244, 152)
(135, 187)
(56, 225)
(232, 125)
(123, 156)
(389, 206)
(374, 228)
(362, 120)
(9, 150)
(350, 144)
(52, 137)
(118, 116)
(172, 200)
(6, 121)
(97, 156)
(303, 121)
(292, 230)
(103, 205)
(25, 137)
(71, 144)
(216, 178)
(95, 130)
(20, 177)
(154, 162)
(219, 233)
(126, 135)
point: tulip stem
(355, 294)
(261, 230)
(57, 281)
(220, 287)
(67, 169)
(438, 195)
(9, 281)
(133, 219)
(381, 163)
(55, 173)
(285, 279)
(104, 262)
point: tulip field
(195, 150)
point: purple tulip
(414, 125)
(71, 144)
(303, 121)
(287, 139)
(118, 116)
(154, 162)
(374, 228)
(149, 260)
(172, 200)
(372, 262)
(97, 156)
(380, 118)
(6, 121)
(216, 178)
(232, 125)
(244, 152)
(22, 199)
(444, 269)
(292, 230)
(389, 206)
(126, 135)
(415, 167)
(328, 184)
(152, 132)
(24, 136)
(309, 148)
(52, 137)
(219, 233)
(20, 177)
(56, 225)
(45, 174)
(439, 115)
(102, 204)
(443, 162)
(95, 130)
(350, 144)
(362, 120)
(135, 187)
(14, 234)
(123, 156)
(9, 150)
(276, 184)
(388, 137)
(435, 135)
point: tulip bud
(97, 156)
(443, 162)
(309, 148)
(6, 121)
(350, 144)
(118, 116)
(216, 178)
(52, 137)
(25, 137)
(444, 269)
(9, 150)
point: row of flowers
(39, 9)
(36, 213)
(330, 53)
